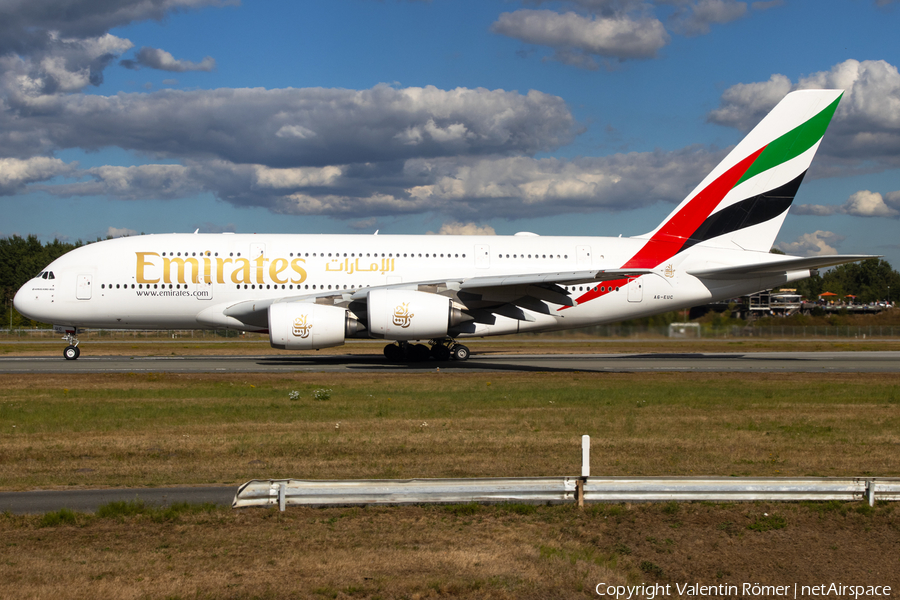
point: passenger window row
(501, 255)
(340, 254)
(581, 288)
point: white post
(281, 491)
(585, 456)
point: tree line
(871, 280)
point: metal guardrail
(558, 490)
(404, 491)
(729, 489)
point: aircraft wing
(501, 294)
(565, 278)
(777, 266)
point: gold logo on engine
(301, 327)
(402, 316)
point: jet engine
(411, 315)
(308, 326)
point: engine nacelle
(411, 315)
(308, 326)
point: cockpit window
(44, 275)
(50, 273)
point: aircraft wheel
(71, 352)
(460, 352)
(419, 352)
(393, 353)
(440, 352)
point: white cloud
(163, 182)
(577, 38)
(24, 24)
(16, 173)
(868, 204)
(697, 18)
(346, 206)
(295, 131)
(364, 223)
(815, 210)
(743, 105)
(456, 228)
(820, 243)
(518, 185)
(296, 178)
(155, 58)
(469, 188)
(861, 204)
(616, 30)
(243, 125)
(865, 130)
(114, 232)
(61, 66)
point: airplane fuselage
(172, 281)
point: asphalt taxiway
(762, 362)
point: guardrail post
(870, 491)
(585, 469)
(585, 456)
(281, 487)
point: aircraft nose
(26, 301)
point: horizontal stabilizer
(779, 264)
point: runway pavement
(768, 362)
(43, 501)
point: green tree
(868, 280)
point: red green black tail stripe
(695, 223)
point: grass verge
(134, 430)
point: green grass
(127, 430)
(162, 401)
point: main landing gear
(71, 352)
(441, 350)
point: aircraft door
(482, 256)
(583, 254)
(83, 287)
(635, 289)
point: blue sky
(591, 117)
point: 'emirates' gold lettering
(278, 265)
(181, 263)
(238, 270)
(241, 274)
(141, 264)
(295, 265)
(220, 269)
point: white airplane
(316, 291)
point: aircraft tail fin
(744, 200)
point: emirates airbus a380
(316, 291)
